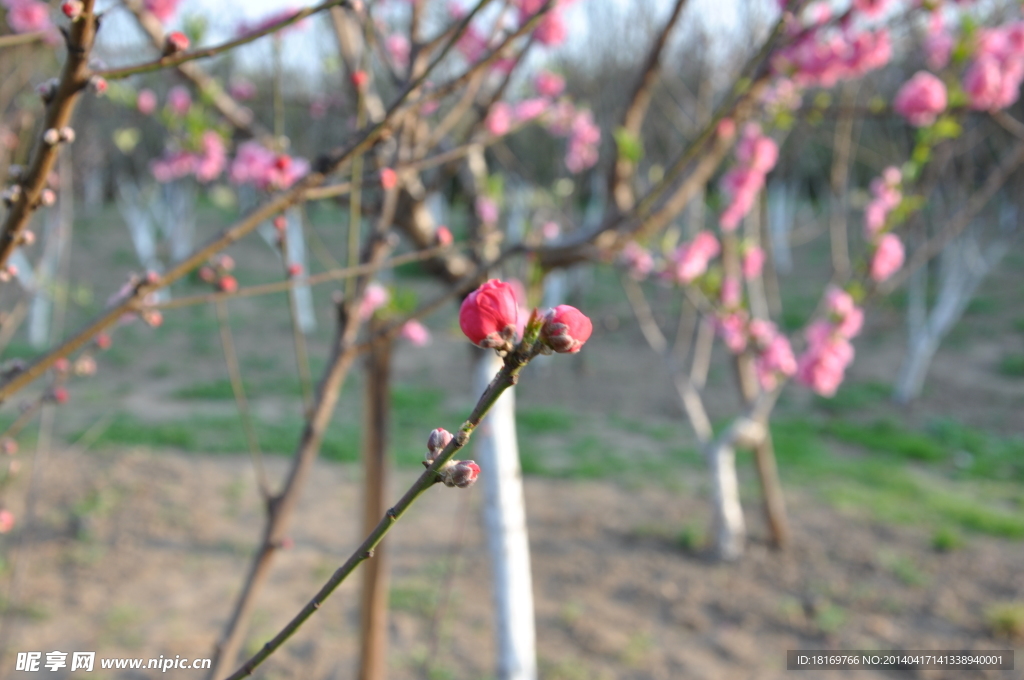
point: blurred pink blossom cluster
(416, 333)
(822, 366)
(486, 209)
(774, 353)
(691, 259)
(921, 99)
(551, 30)
(885, 197)
(398, 50)
(938, 43)
(638, 260)
(27, 16)
(993, 79)
(206, 165)
(756, 154)
(782, 95)
(888, 258)
(732, 327)
(255, 164)
(549, 84)
(179, 101)
(375, 297)
(824, 58)
(162, 9)
(564, 119)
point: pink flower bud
(921, 99)
(444, 236)
(46, 90)
(436, 442)
(8, 446)
(388, 179)
(59, 395)
(179, 100)
(461, 473)
(103, 341)
(176, 42)
(566, 329)
(72, 9)
(753, 262)
(228, 284)
(61, 365)
(359, 79)
(6, 521)
(47, 197)
(98, 85)
(375, 297)
(280, 223)
(28, 237)
(207, 274)
(51, 136)
(294, 269)
(67, 134)
(888, 258)
(226, 262)
(416, 333)
(153, 318)
(488, 316)
(85, 365)
(145, 102)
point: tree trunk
(730, 532)
(374, 609)
(497, 453)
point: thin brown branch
(74, 77)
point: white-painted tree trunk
(730, 530)
(781, 216)
(962, 267)
(497, 453)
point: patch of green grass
(906, 570)
(1012, 366)
(541, 421)
(947, 539)
(854, 395)
(881, 481)
(415, 599)
(885, 435)
(224, 435)
(1006, 620)
(830, 618)
(221, 390)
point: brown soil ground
(155, 568)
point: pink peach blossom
(921, 99)
(375, 297)
(416, 333)
(888, 258)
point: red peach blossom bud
(726, 128)
(566, 329)
(103, 341)
(388, 179)
(436, 442)
(85, 366)
(28, 237)
(207, 274)
(283, 162)
(98, 85)
(280, 223)
(152, 278)
(59, 395)
(67, 134)
(47, 197)
(8, 272)
(461, 473)
(176, 42)
(226, 262)
(359, 79)
(489, 315)
(228, 284)
(51, 136)
(294, 269)
(153, 318)
(72, 9)
(6, 521)
(61, 365)
(444, 235)
(287, 543)
(8, 446)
